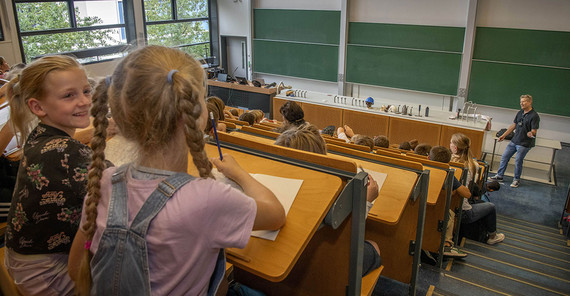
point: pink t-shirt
(185, 237)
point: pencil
(216, 134)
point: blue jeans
(484, 211)
(511, 149)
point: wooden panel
(261, 132)
(322, 116)
(366, 123)
(476, 137)
(401, 130)
(320, 159)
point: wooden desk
(438, 199)
(252, 137)
(281, 267)
(393, 220)
(242, 95)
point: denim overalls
(120, 266)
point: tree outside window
(179, 23)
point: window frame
(212, 19)
(128, 25)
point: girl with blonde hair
(148, 227)
(460, 146)
(52, 177)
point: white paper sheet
(285, 189)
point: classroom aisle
(533, 260)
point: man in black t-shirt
(525, 125)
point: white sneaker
(499, 237)
(515, 183)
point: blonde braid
(188, 96)
(100, 122)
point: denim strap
(118, 212)
(157, 200)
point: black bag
(502, 131)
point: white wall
(451, 13)
(298, 4)
(552, 15)
(234, 17)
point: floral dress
(48, 198)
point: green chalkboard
(510, 62)
(434, 72)
(422, 58)
(298, 43)
(501, 85)
(534, 47)
(296, 59)
(407, 36)
(314, 26)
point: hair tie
(108, 80)
(88, 243)
(169, 77)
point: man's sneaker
(496, 178)
(515, 183)
(453, 252)
(499, 237)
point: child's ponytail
(100, 122)
(20, 114)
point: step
(555, 238)
(507, 283)
(502, 218)
(544, 276)
(501, 250)
(538, 242)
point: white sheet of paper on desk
(285, 189)
(378, 177)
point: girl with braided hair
(148, 227)
(52, 177)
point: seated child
(173, 226)
(344, 133)
(309, 139)
(52, 177)
(405, 146)
(484, 211)
(248, 117)
(293, 116)
(329, 130)
(363, 140)
(381, 141)
(423, 149)
(413, 144)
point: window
(91, 30)
(183, 24)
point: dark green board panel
(407, 36)
(303, 60)
(534, 47)
(316, 26)
(426, 71)
(501, 85)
